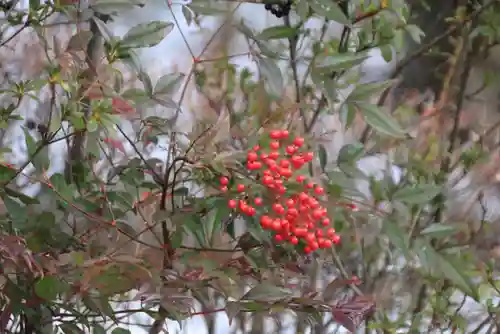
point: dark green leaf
(68, 328)
(22, 197)
(380, 120)
(351, 153)
(363, 92)
(7, 173)
(37, 155)
(98, 329)
(302, 8)
(342, 61)
(449, 268)
(147, 34)
(439, 230)
(396, 236)
(277, 32)
(330, 10)
(48, 288)
(207, 9)
(272, 75)
(417, 194)
(120, 330)
(103, 29)
(16, 211)
(188, 14)
(114, 6)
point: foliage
(278, 203)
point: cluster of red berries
(294, 216)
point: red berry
(252, 156)
(294, 240)
(223, 188)
(254, 165)
(298, 141)
(284, 134)
(274, 155)
(285, 163)
(274, 145)
(232, 204)
(258, 201)
(278, 208)
(300, 178)
(275, 134)
(291, 149)
(224, 181)
(278, 237)
(256, 148)
(325, 243)
(240, 187)
(319, 190)
(265, 222)
(325, 222)
(336, 239)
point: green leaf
(92, 125)
(16, 211)
(417, 194)
(48, 288)
(386, 52)
(98, 329)
(302, 8)
(147, 34)
(350, 153)
(103, 29)
(63, 189)
(113, 7)
(380, 120)
(272, 75)
(169, 83)
(213, 222)
(330, 10)
(363, 92)
(38, 156)
(7, 173)
(323, 157)
(415, 32)
(188, 14)
(342, 61)
(120, 330)
(267, 292)
(79, 41)
(68, 328)
(396, 236)
(22, 197)
(449, 268)
(207, 9)
(439, 230)
(277, 32)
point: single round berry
(224, 181)
(232, 204)
(240, 188)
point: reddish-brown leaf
(352, 313)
